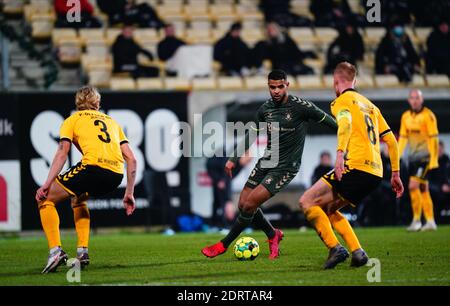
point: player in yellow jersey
(105, 148)
(357, 172)
(419, 130)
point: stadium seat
(198, 36)
(386, 81)
(98, 47)
(252, 35)
(418, 81)
(309, 82)
(204, 83)
(220, 11)
(224, 22)
(66, 33)
(256, 82)
(373, 37)
(438, 81)
(325, 36)
(146, 35)
(13, 7)
(365, 81)
(99, 75)
(42, 25)
(304, 37)
(177, 83)
(422, 34)
(91, 35)
(149, 84)
(122, 84)
(230, 82)
(69, 50)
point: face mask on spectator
(398, 31)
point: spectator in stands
(396, 54)
(115, 9)
(399, 9)
(169, 45)
(125, 54)
(331, 13)
(429, 13)
(348, 47)
(232, 52)
(87, 20)
(282, 51)
(279, 11)
(440, 180)
(324, 167)
(127, 11)
(438, 54)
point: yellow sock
(343, 227)
(50, 223)
(317, 217)
(416, 203)
(427, 204)
(82, 224)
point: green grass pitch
(153, 259)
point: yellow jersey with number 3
(98, 137)
(367, 126)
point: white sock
(81, 251)
(54, 250)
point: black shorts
(354, 186)
(419, 170)
(93, 180)
(273, 179)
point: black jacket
(125, 52)
(168, 46)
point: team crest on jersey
(269, 180)
(288, 116)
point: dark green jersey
(287, 125)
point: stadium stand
(86, 53)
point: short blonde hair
(346, 71)
(87, 97)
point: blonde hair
(346, 70)
(87, 98)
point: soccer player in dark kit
(289, 115)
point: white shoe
(415, 226)
(429, 226)
(55, 259)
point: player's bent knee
(305, 202)
(248, 207)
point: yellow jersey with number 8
(98, 137)
(367, 126)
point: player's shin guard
(82, 223)
(50, 223)
(427, 205)
(343, 227)
(317, 217)
(243, 220)
(260, 220)
(416, 203)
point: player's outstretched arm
(57, 164)
(396, 182)
(130, 160)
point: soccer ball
(246, 248)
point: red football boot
(214, 250)
(274, 244)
